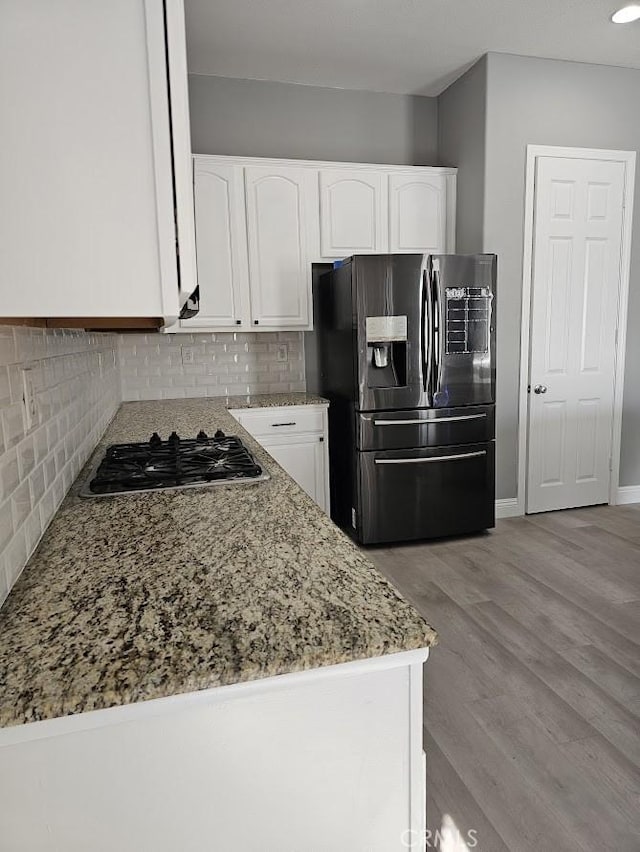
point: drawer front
(426, 493)
(297, 419)
(397, 430)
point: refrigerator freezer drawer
(389, 430)
(406, 495)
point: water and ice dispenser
(386, 351)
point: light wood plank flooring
(532, 698)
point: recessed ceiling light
(626, 15)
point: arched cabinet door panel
(280, 230)
(221, 247)
(353, 212)
(418, 213)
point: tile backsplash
(80, 379)
(77, 391)
(167, 366)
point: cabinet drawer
(281, 421)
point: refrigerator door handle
(429, 421)
(438, 333)
(427, 334)
(432, 458)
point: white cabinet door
(221, 247)
(281, 216)
(86, 171)
(417, 213)
(303, 457)
(353, 212)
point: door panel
(221, 247)
(353, 212)
(414, 494)
(279, 201)
(463, 299)
(576, 275)
(302, 456)
(391, 286)
(417, 213)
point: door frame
(628, 158)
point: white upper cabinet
(353, 212)
(221, 246)
(281, 217)
(86, 171)
(260, 224)
(418, 213)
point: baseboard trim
(628, 494)
(508, 507)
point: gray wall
(547, 102)
(255, 118)
(461, 143)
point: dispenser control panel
(387, 329)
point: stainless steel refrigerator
(404, 349)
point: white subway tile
(32, 531)
(13, 424)
(77, 381)
(46, 509)
(36, 484)
(26, 457)
(9, 474)
(7, 346)
(4, 581)
(5, 389)
(6, 524)
(20, 504)
(15, 555)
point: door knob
(540, 389)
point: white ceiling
(404, 46)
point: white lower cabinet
(302, 456)
(328, 759)
(297, 438)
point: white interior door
(577, 241)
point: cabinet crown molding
(324, 164)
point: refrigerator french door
(424, 330)
(404, 349)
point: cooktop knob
(220, 434)
(174, 438)
(155, 440)
(202, 437)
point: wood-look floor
(532, 698)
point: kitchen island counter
(146, 596)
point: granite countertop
(150, 595)
(273, 400)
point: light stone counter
(150, 595)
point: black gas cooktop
(175, 463)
